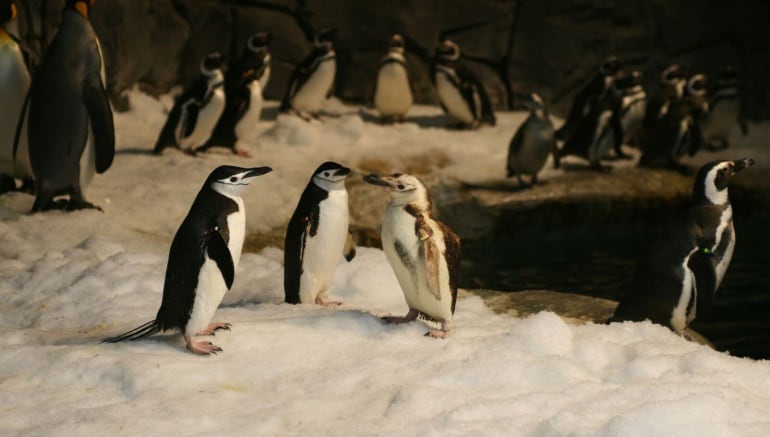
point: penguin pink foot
(202, 347)
(213, 327)
(323, 303)
(440, 333)
(242, 153)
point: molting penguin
(679, 278)
(589, 95)
(245, 80)
(393, 90)
(202, 261)
(423, 252)
(532, 143)
(311, 81)
(461, 94)
(14, 85)
(195, 113)
(68, 110)
(316, 236)
(724, 111)
(672, 87)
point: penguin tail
(138, 333)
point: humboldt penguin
(533, 142)
(312, 79)
(393, 94)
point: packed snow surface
(69, 279)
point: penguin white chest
(537, 144)
(393, 97)
(634, 111)
(603, 139)
(250, 118)
(725, 237)
(452, 98)
(14, 84)
(265, 78)
(236, 225)
(311, 95)
(207, 119)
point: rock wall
(515, 46)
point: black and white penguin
(202, 261)
(679, 131)
(532, 143)
(195, 113)
(678, 279)
(672, 86)
(74, 137)
(589, 95)
(15, 79)
(724, 111)
(245, 81)
(393, 95)
(312, 80)
(423, 252)
(316, 237)
(460, 93)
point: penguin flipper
(190, 112)
(138, 333)
(701, 263)
(20, 125)
(515, 146)
(294, 250)
(102, 125)
(216, 248)
(349, 251)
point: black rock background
(515, 46)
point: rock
(574, 308)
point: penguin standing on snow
(15, 79)
(311, 81)
(245, 80)
(724, 111)
(196, 112)
(393, 90)
(423, 252)
(680, 277)
(202, 261)
(532, 143)
(461, 94)
(593, 92)
(316, 236)
(70, 127)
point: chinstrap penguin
(423, 252)
(312, 79)
(70, 127)
(678, 279)
(533, 141)
(724, 111)
(461, 94)
(316, 237)
(393, 96)
(202, 261)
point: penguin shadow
(435, 121)
(135, 151)
(504, 185)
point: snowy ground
(67, 280)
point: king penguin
(15, 79)
(678, 279)
(724, 111)
(202, 261)
(532, 142)
(245, 80)
(70, 128)
(460, 93)
(423, 252)
(195, 113)
(316, 236)
(393, 96)
(312, 79)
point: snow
(69, 279)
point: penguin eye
(400, 186)
(326, 174)
(233, 179)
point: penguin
(461, 94)
(316, 237)
(70, 131)
(202, 261)
(679, 131)
(15, 79)
(593, 92)
(532, 143)
(633, 105)
(192, 118)
(393, 96)
(724, 111)
(678, 279)
(312, 79)
(423, 252)
(245, 80)
(672, 86)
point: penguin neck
(707, 194)
(329, 186)
(215, 78)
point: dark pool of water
(599, 261)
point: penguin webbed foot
(440, 333)
(327, 304)
(212, 328)
(202, 347)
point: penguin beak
(742, 164)
(258, 171)
(375, 179)
(343, 171)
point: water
(599, 259)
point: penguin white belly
(721, 120)
(265, 77)
(632, 118)
(393, 97)
(311, 95)
(207, 119)
(208, 295)
(725, 230)
(323, 251)
(453, 100)
(603, 139)
(14, 84)
(236, 225)
(245, 126)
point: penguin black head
(447, 51)
(258, 41)
(83, 7)
(696, 85)
(672, 74)
(7, 11)
(610, 65)
(535, 103)
(324, 37)
(404, 189)
(711, 183)
(230, 180)
(624, 82)
(211, 63)
(397, 43)
(329, 174)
